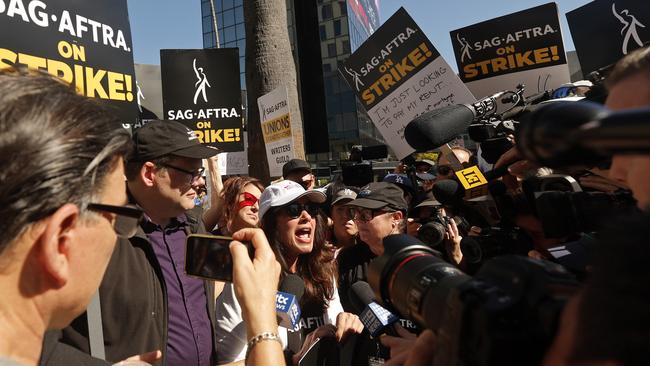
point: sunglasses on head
(295, 209)
(249, 200)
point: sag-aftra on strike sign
(397, 75)
(520, 48)
(85, 43)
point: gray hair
(56, 146)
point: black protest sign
(395, 52)
(85, 43)
(201, 90)
(520, 41)
(604, 31)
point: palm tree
(269, 64)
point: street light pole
(214, 23)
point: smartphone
(208, 257)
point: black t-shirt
(353, 267)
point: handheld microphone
(291, 290)
(448, 192)
(475, 183)
(473, 186)
(375, 318)
(439, 126)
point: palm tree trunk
(269, 64)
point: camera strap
(95, 327)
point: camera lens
(411, 279)
(432, 233)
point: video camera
(481, 120)
(506, 314)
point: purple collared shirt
(189, 334)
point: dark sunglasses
(294, 210)
(126, 220)
(194, 175)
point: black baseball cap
(379, 195)
(159, 138)
(294, 164)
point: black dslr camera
(433, 229)
(506, 314)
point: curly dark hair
(317, 268)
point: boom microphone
(375, 318)
(439, 126)
(291, 290)
(564, 134)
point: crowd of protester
(91, 215)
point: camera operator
(438, 229)
(444, 170)
(607, 323)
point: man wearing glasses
(445, 169)
(148, 303)
(163, 176)
(62, 207)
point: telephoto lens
(506, 314)
(410, 272)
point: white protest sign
(234, 163)
(399, 75)
(276, 129)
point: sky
(160, 24)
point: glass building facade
(339, 26)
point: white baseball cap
(284, 192)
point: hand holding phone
(208, 257)
(256, 282)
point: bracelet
(264, 336)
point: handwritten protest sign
(398, 75)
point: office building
(329, 106)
